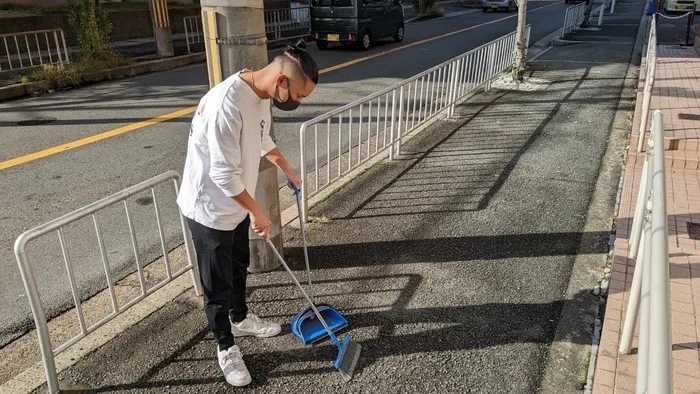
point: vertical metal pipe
(660, 360)
(71, 280)
(105, 263)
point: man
(229, 134)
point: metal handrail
(573, 17)
(296, 21)
(53, 40)
(650, 76)
(403, 111)
(193, 30)
(57, 225)
(650, 291)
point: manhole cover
(683, 116)
(42, 120)
(694, 231)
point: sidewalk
(452, 263)
(676, 94)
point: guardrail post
(302, 168)
(454, 86)
(600, 14)
(398, 130)
(636, 251)
(391, 129)
(42, 330)
(492, 60)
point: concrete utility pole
(521, 40)
(234, 39)
(161, 27)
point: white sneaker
(253, 326)
(231, 363)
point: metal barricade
(57, 225)
(573, 18)
(650, 74)
(288, 23)
(33, 48)
(651, 286)
(193, 31)
(352, 135)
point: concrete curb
(28, 89)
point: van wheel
(398, 37)
(321, 44)
(365, 41)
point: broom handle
(303, 241)
(294, 278)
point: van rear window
(333, 3)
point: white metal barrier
(651, 284)
(650, 75)
(282, 24)
(57, 225)
(33, 48)
(193, 31)
(355, 133)
(573, 17)
(288, 23)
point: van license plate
(680, 6)
(494, 5)
(333, 37)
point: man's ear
(282, 81)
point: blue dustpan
(306, 326)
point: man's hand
(261, 224)
(294, 181)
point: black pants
(223, 258)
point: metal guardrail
(193, 31)
(360, 131)
(33, 48)
(288, 23)
(651, 287)
(57, 225)
(650, 75)
(280, 25)
(573, 17)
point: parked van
(356, 21)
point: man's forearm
(275, 157)
(248, 203)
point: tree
(91, 26)
(520, 42)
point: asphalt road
(40, 190)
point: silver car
(505, 5)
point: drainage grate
(694, 231)
(42, 120)
(683, 116)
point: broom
(348, 350)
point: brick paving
(677, 94)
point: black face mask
(289, 104)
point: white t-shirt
(230, 132)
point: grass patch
(54, 77)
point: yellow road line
(93, 138)
(187, 111)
